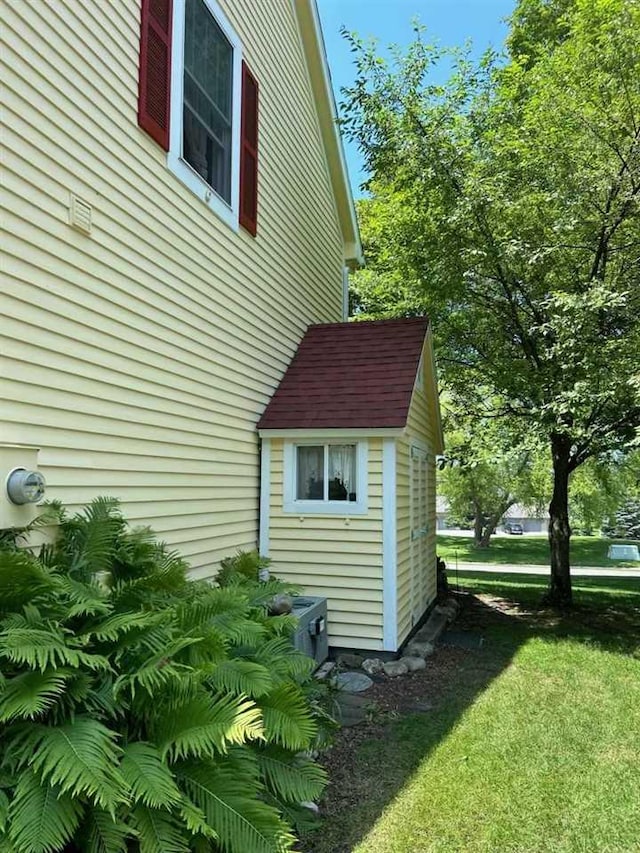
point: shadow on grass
(369, 766)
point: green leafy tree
(507, 202)
(141, 711)
(486, 473)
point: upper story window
(207, 113)
(328, 478)
(199, 101)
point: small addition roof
(350, 376)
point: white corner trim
(333, 508)
(265, 496)
(389, 548)
(181, 169)
(319, 435)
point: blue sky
(449, 22)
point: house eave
(315, 52)
(337, 432)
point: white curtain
(342, 472)
(310, 484)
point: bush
(141, 711)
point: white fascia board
(309, 21)
(389, 548)
(360, 432)
(265, 496)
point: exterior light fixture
(25, 487)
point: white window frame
(229, 213)
(321, 507)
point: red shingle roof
(349, 375)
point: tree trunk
(489, 530)
(559, 593)
(477, 526)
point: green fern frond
(112, 628)
(87, 598)
(4, 810)
(242, 677)
(287, 719)
(241, 822)
(89, 539)
(292, 778)
(80, 758)
(158, 831)
(240, 630)
(30, 694)
(195, 820)
(156, 672)
(283, 661)
(206, 602)
(22, 580)
(42, 818)
(281, 626)
(42, 649)
(147, 775)
(204, 726)
(100, 832)
(260, 595)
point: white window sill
(339, 508)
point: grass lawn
(529, 550)
(532, 744)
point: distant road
(578, 571)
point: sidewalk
(577, 571)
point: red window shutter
(155, 70)
(249, 153)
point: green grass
(534, 749)
(529, 550)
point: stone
(394, 668)
(372, 666)
(350, 660)
(449, 612)
(311, 806)
(413, 664)
(451, 602)
(281, 605)
(323, 671)
(353, 682)
(418, 649)
(351, 709)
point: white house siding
(139, 358)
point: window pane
(208, 86)
(342, 472)
(310, 474)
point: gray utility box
(311, 633)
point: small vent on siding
(80, 214)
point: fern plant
(142, 711)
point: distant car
(514, 529)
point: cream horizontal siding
(334, 556)
(420, 426)
(139, 358)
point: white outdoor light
(25, 487)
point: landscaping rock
(413, 664)
(311, 806)
(353, 682)
(323, 671)
(351, 708)
(446, 610)
(435, 625)
(350, 660)
(419, 649)
(394, 668)
(372, 666)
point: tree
(507, 202)
(487, 474)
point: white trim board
(330, 433)
(389, 548)
(265, 496)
